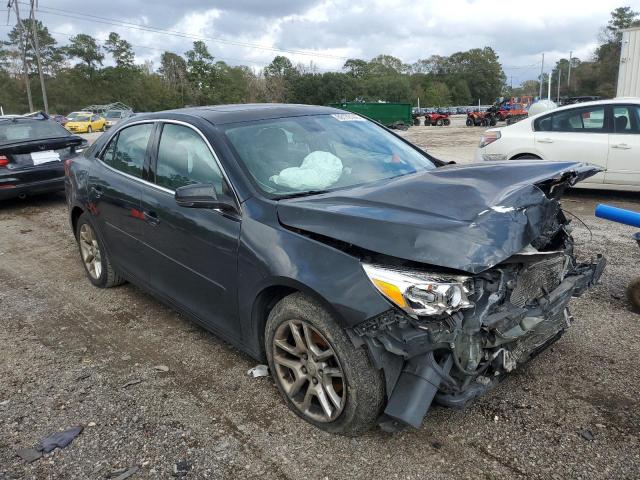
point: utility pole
(559, 79)
(569, 76)
(541, 77)
(36, 47)
(23, 47)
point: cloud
(332, 30)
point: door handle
(621, 146)
(151, 218)
(545, 140)
(96, 191)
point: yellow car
(85, 122)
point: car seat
(621, 123)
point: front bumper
(421, 361)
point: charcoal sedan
(32, 152)
(373, 278)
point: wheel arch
(270, 295)
(530, 155)
(76, 211)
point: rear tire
(439, 122)
(95, 259)
(447, 122)
(469, 122)
(356, 397)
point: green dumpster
(385, 113)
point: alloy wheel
(90, 251)
(309, 371)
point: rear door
(578, 134)
(624, 146)
(191, 254)
(114, 195)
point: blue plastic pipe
(620, 215)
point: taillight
(4, 161)
(489, 137)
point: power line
(230, 59)
(151, 29)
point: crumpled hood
(467, 217)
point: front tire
(633, 294)
(321, 375)
(95, 258)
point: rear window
(20, 131)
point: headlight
(421, 293)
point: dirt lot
(71, 355)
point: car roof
(21, 119)
(222, 114)
(611, 101)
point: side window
(127, 149)
(543, 124)
(184, 158)
(579, 120)
(625, 119)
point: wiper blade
(302, 194)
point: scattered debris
(132, 382)
(59, 439)
(161, 368)
(124, 473)
(181, 468)
(91, 424)
(29, 455)
(259, 371)
(587, 435)
(4, 402)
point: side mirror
(203, 195)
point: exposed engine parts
(513, 311)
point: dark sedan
(373, 278)
(32, 152)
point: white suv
(605, 133)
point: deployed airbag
(319, 170)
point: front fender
(272, 256)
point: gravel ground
(156, 393)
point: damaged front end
(452, 336)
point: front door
(579, 134)
(190, 253)
(114, 196)
(624, 146)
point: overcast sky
(329, 31)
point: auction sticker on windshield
(348, 117)
(45, 157)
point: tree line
(75, 75)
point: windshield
(321, 152)
(17, 131)
(112, 115)
(79, 116)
